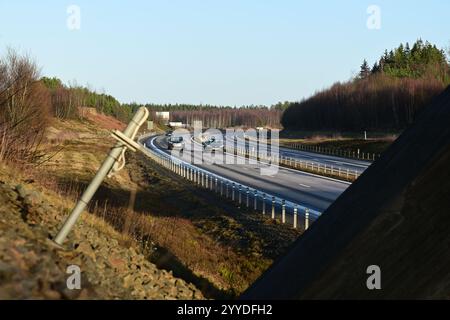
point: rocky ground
(32, 267)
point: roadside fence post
(295, 216)
(306, 219)
(273, 207)
(264, 204)
(240, 195)
(248, 195)
(232, 192)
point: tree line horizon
(384, 97)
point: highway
(309, 190)
(351, 164)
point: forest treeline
(67, 99)
(213, 116)
(28, 103)
(384, 97)
(231, 117)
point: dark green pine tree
(376, 68)
(365, 70)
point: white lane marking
(304, 185)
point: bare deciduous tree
(24, 107)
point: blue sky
(223, 52)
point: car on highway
(208, 142)
(213, 144)
(175, 143)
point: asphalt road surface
(309, 190)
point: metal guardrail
(358, 155)
(309, 166)
(237, 192)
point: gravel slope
(32, 268)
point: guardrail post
(264, 204)
(216, 187)
(248, 195)
(211, 185)
(232, 191)
(306, 219)
(273, 207)
(295, 216)
(240, 195)
(283, 211)
(255, 200)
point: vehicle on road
(213, 144)
(175, 143)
